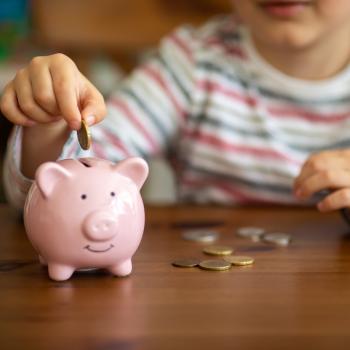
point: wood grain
(291, 298)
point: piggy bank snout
(100, 226)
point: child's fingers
(26, 100)
(10, 109)
(310, 167)
(323, 180)
(305, 172)
(66, 92)
(336, 200)
(322, 163)
(315, 163)
(43, 92)
(94, 108)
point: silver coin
(254, 233)
(200, 235)
(278, 238)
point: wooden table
(292, 298)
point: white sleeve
(16, 185)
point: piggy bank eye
(83, 196)
(112, 194)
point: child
(250, 108)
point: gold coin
(239, 260)
(185, 263)
(218, 250)
(84, 136)
(215, 265)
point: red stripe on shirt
(115, 141)
(309, 116)
(124, 108)
(222, 145)
(292, 112)
(210, 87)
(182, 45)
(155, 75)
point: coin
(204, 236)
(252, 232)
(84, 136)
(185, 263)
(215, 265)
(278, 238)
(239, 260)
(218, 250)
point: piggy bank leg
(60, 272)
(121, 269)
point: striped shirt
(236, 129)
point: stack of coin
(277, 238)
(201, 235)
(217, 264)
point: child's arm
(328, 170)
(144, 115)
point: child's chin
(289, 36)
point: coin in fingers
(84, 136)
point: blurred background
(106, 39)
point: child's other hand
(51, 88)
(328, 170)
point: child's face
(294, 24)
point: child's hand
(51, 88)
(328, 170)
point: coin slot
(85, 164)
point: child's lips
(284, 9)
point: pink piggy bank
(86, 213)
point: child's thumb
(94, 107)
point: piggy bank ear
(135, 169)
(48, 175)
